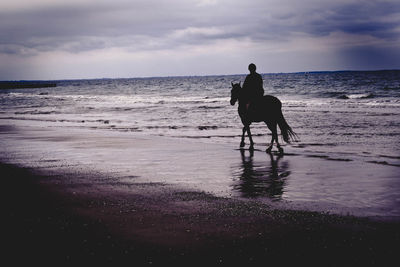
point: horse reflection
(261, 179)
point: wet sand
(303, 178)
(63, 208)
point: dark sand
(60, 221)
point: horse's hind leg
(271, 145)
(271, 127)
(278, 145)
(275, 136)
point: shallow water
(345, 120)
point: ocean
(344, 113)
(338, 116)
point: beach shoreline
(299, 179)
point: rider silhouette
(253, 85)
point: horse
(267, 109)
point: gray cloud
(364, 17)
(95, 26)
(85, 27)
(155, 25)
(52, 28)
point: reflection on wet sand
(262, 178)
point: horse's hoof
(268, 150)
(280, 150)
(251, 147)
(241, 144)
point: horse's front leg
(243, 132)
(250, 137)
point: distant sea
(344, 114)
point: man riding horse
(253, 86)
(255, 107)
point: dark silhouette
(268, 110)
(253, 86)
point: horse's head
(235, 92)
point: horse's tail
(287, 133)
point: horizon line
(205, 75)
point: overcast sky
(51, 39)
